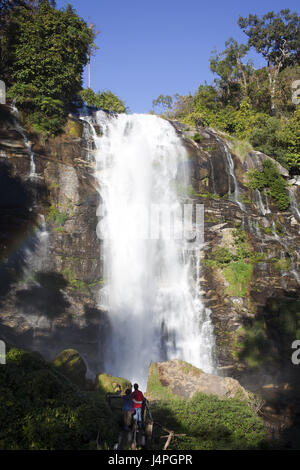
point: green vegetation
(197, 138)
(270, 179)
(57, 217)
(283, 264)
(106, 383)
(236, 263)
(207, 421)
(208, 195)
(41, 409)
(44, 52)
(70, 364)
(210, 423)
(105, 100)
(73, 128)
(241, 251)
(163, 102)
(267, 339)
(77, 284)
(189, 190)
(238, 275)
(240, 147)
(254, 106)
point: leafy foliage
(43, 410)
(47, 52)
(252, 105)
(165, 102)
(271, 179)
(238, 274)
(268, 339)
(105, 100)
(210, 423)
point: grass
(283, 264)
(210, 423)
(236, 263)
(77, 284)
(197, 138)
(56, 216)
(111, 384)
(238, 275)
(155, 389)
(240, 148)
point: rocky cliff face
(51, 258)
(250, 271)
(50, 255)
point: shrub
(210, 423)
(197, 138)
(271, 179)
(105, 100)
(41, 409)
(238, 275)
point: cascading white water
(235, 194)
(260, 203)
(263, 208)
(32, 173)
(153, 297)
(294, 204)
(268, 210)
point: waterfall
(263, 208)
(37, 254)
(294, 204)
(268, 210)
(89, 135)
(235, 194)
(212, 175)
(260, 203)
(153, 284)
(32, 172)
(293, 269)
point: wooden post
(133, 445)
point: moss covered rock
(70, 363)
(108, 384)
(74, 128)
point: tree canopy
(105, 100)
(251, 104)
(276, 36)
(46, 51)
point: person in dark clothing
(127, 409)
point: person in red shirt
(137, 398)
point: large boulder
(70, 363)
(109, 384)
(180, 378)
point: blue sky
(153, 47)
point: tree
(48, 56)
(163, 101)
(277, 38)
(7, 33)
(289, 140)
(233, 73)
(105, 100)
